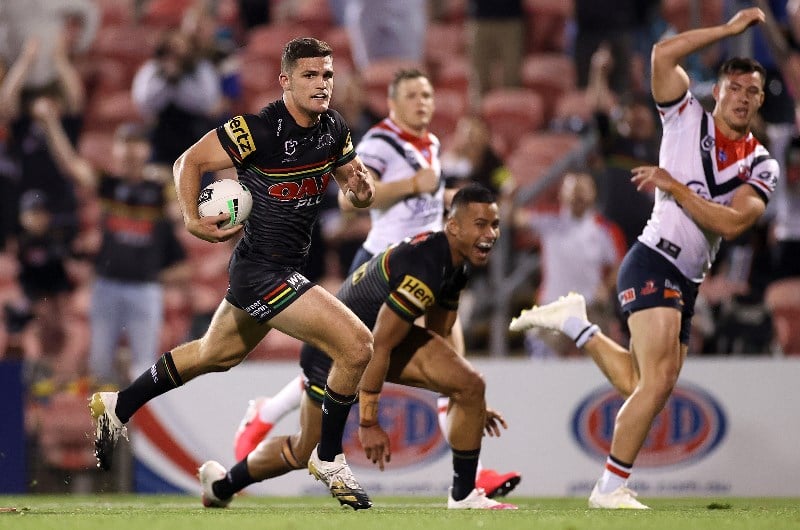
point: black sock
(158, 379)
(335, 408)
(237, 479)
(465, 466)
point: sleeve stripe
(757, 186)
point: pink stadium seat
(534, 156)
(451, 105)
(444, 42)
(454, 74)
(63, 431)
(512, 112)
(165, 13)
(105, 74)
(339, 40)
(546, 24)
(131, 44)
(114, 12)
(109, 110)
(177, 316)
(677, 13)
(547, 146)
(782, 298)
(551, 75)
(258, 74)
(453, 10)
(258, 100)
(268, 41)
(314, 15)
(573, 108)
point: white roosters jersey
(392, 154)
(696, 154)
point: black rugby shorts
(263, 290)
(646, 279)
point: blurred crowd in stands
(99, 97)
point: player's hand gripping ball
(226, 196)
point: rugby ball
(226, 196)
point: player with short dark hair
(285, 155)
(420, 276)
(402, 156)
(713, 182)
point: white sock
(579, 330)
(441, 408)
(282, 403)
(615, 474)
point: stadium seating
(113, 12)
(546, 24)
(678, 13)
(339, 40)
(450, 106)
(782, 299)
(130, 43)
(443, 43)
(258, 74)
(110, 110)
(513, 112)
(268, 41)
(535, 154)
(314, 15)
(454, 74)
(255, 101)
(165, 13)
(573, 112)
(105, 74)
(549, 74)
(62, 432)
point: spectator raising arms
(139, 249)
(180, 93)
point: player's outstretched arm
(669, 80)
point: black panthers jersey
(409, 277)
(287, 169)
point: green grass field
(122, 512)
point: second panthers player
(419, 277)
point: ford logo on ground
(408, 415)
(691, 425)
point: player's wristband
(368, 408)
